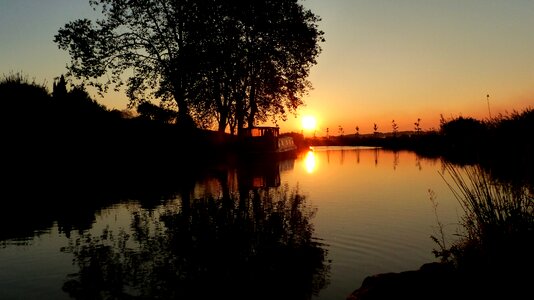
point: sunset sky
(382, 60)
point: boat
(264, 140)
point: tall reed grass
(498, 221)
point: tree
(59, 88)
(375, 129)
(149, 111)
(286, 38)
(258, 56)
(156, 42)
(418, 126)
(235, 62)
(395, 127)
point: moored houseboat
(267, 141)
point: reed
(498, 220)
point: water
(368, 209)
(374, 211)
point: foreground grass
(495, 250)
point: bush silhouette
(21, 100)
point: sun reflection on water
(310, 162)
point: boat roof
(262, 131)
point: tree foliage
(235, 63)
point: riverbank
(444, 281)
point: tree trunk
(221, 100)
(253, 105)
(240, 113)
(223, 119)
(184, 118)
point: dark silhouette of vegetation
(395, 128)
(65, 156)
(28, 104)
(501, 145)
(69, 124)
(149, 111)
(59, 88)
(23, 100)
(497, 240)
(417, 125)
(231, 63)
(259, 244)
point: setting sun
(309, 123)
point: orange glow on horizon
(362, 121)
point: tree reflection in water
(255, 245)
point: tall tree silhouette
(418, 126)
(59, 88)
(235, 62)
(395, 127)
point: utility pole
(489, 111)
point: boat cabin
(261, 132)
(266, 140)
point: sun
(309, 123)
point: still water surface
(368, 209)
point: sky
(382, 60)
